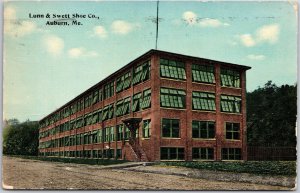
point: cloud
(208, 22)
(247, 40)
(264, 34)
(54, 45)
(256, 57)
(81, 52)
(123, 27)
(268, 33)
(100, 31)
(189, 17)
(192, 19)
(14, 27)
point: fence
(259, 153)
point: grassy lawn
(74, 160)
(284, 168)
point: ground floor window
(108, 153)
(119, 154)
(171, 153)
(231, 154)
(203, 153)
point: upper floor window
(204, 101)
(172, 69)
(173, 98)
(203, 129)
(123, 82)
(109, 90)
(230, 104)
(136, 103)
(203, 73)
(141, 73)
(123, 107)
(230, 78)
(170, 128)
(146, 101)
(232, 131)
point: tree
(271, 115)
(21, 138)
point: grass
(283, 168)
(74, 160)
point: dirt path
(31, 174)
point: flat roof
(143, 56)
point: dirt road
(31, 174)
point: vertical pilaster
(219, 125)
(155, 108)
(188, 124)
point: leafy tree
(271, 115)
(20, 138)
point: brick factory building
(160, 106)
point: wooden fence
(261, 153)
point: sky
(45, 66)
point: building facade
(177, 107)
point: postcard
(149, 95)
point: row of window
(140, 101)
(108, 134)
(99, 154)
(170, 129)
(176, 98)
(140, 73)
(200, 129)
(203, 73)
(202, 153)
(166, 153)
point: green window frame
(231, 104)
(203, 129)
(141, 73)
(203, 73)
(172, 69)
(111, 111)
(95, 136)
(119, 108)
(120, 132)
(146, 102)
(112, 134)
(106, 134)
(100, 136)
(136, 102)
(232, 131)
(127, 133)
(172, 98)
(231, 153)
(95, 97)
(109, 90)
(230, 78)
(204, 101)
(123, 82)
(95, 117)
(172, 153)
(147, 128)
(170, 128)
(203, 153)
(105, 113)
